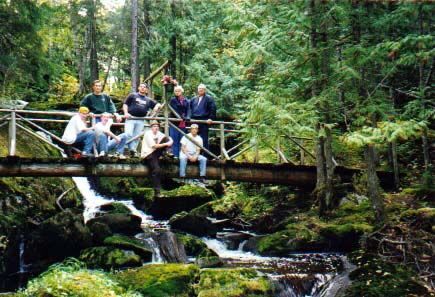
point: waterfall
(22, 268)
(92, 202)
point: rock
(192, 244)
(194, 224)
(181, 199)
(125, 242)
(109, 258)
(251, 244)
(171, 248)
(208, 259)
(60, 236)
(233, 282)
(160, 279)
(99, 232)
(115, 207)
(233, 239)
(127, 224)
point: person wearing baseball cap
(77, 132)
(153, 145)
(190, 151)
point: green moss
(118, 186)
(72, 279)
(108, 257)
(189, 190)
(375, 278)
(116, 207)
(129, 243)
(160, 280)
(226, 282)
(192, 244)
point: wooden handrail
(157, 71)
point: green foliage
(109, 257)
(71, 278)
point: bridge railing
(23, 119)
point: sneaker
(102, 154)
(203, 181)
(133, 154)
(120, 156)
(157, 194)
(87, 155)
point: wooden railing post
(166, 110)
(302, 152)
(12, 134)
(222, 136)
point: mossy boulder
(229, 282)
(109, 257)
(117, 187)
(192, 244)
(184, 198)
(127, 224)
(160, 280)
(193, 224)
(129, 243)
(58, 237)
(208, 258)
(115, 207)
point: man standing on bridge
(77, 133)
(203, 107)
(137, 104)
(153, 144)
(98, 102)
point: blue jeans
(202, 165)
(87, 138)
(176, 137)
(132, 129)
(105, 145)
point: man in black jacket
(203, 107)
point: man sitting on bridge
(153, 144)
(102, 134)
(190, 151)
(77, 133)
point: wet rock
(171, 248)
(181, 199)
(127, 224)
(251, 244)
(129, 243)
(109, 258)
(208, 259)
(192, 244)
(115, 207)
(193, 224)
(233, 239)
(99, 232)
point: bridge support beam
(285, 174)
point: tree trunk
(79, 49)
(320, 189)
(330, 169)
(93, 59)
(173, 42)
(373, 184)
(106, 76)
(395, 164)
(134, 47)
(426, 155)
(147, 22)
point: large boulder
(160, 279)
(184, 198)
(127, 224)
(109, 258)
(193, 224)
(60, 236)
(171, 248)
(129, 243)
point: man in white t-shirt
(191, 152)
(77, 133)
(102, 134)
(153, 144)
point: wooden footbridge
(222, 167)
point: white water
(92, 202)
(22, 265)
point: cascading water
(22, 268)
(92, 202)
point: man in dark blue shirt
(203, 107)
(137, 105)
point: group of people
(100, 139)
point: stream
(297, 275)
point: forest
(353, 78)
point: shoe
(120, 156)
(133, 154)
(87, 155)
(203, 181)
(157, 194)
(102, 154)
